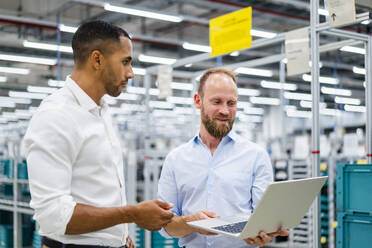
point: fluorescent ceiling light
(243, 105)
(344, 100)
(139, 71)
(182, 86)
(68, 29)
(309, 104)
(255, 72)
(250, 118)
(235, 54)
(180, 100)
(30, 95)
(37, 89)
(28, 59)
(196, 47)
(183, 110)
(352, 108)
(277, 85)
(264, 100)
(248, 92)
(297, 96)
(126, 96)
(262, 34)
(3, 79)
(156, 60)
(335, 91)
(331, 112)
(323, 12)
(56, 83)
(352, 49)
(143, 13)
(325, 80)
(254, 111)
(188, 65)
(290, 107)
(366, 22)
(161, 104)
(46, 46)
(359, 70)
(298, 114)
(14, 70)
(15, 100)
(7, 104)
(133, 107)
(141, 90)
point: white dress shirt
(74, 156)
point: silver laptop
(282, 206)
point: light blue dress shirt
(231, 181)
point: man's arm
(151, 215)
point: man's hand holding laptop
(263, 238)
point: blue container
(354, 188)
(354, 231)
(158, 241)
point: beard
(110, 82)
(215, 129)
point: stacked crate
(158, 241)
(354, 205)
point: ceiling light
(156, 60)
(262, 34)
(254, 111)
(15, 100)
(7, 104)
(196, 47)
(277, 85)
(366, 22)
(182, 86)
(248, 92)
(126, 96)
(28, 59)
(243, 105)
(352, 49)
(184, 110)
(46, 46)
(141, 90)
(30, 95)
(188, 65)
(325, 80)
(298, 113)
(143, 13)
(139, 71)
(180, 100)
(255, 72)
(3, 79)
(297, 96)
(359, 70)
(235, 54)
(56, 83)
(323, 12)
(14, 70)
(352, 108)
(331, 112)
(335, 91)
(251, 118)
(265, 100)
(37, 89)
(161, 104)
(68, 29)
(344, 100)
(309, 104)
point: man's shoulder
(181, 149)
(248, 144)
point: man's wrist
(129, 213)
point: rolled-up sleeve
(262, 177)
(167, 190)
(51, 145)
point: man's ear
(96, 59)
(197, 101)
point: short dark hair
(94, 35)
(206, 74)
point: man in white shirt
(74, 156)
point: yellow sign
(231, 32)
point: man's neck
(89, 84)
(210, 141)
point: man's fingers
(265, 238)
(284, 232)
(210, 214)
(167, 215)
(164, 205)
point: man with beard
(74, 155)
(217, 173)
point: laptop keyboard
(232, 228)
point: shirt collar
(84, 100)
(231, 136)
